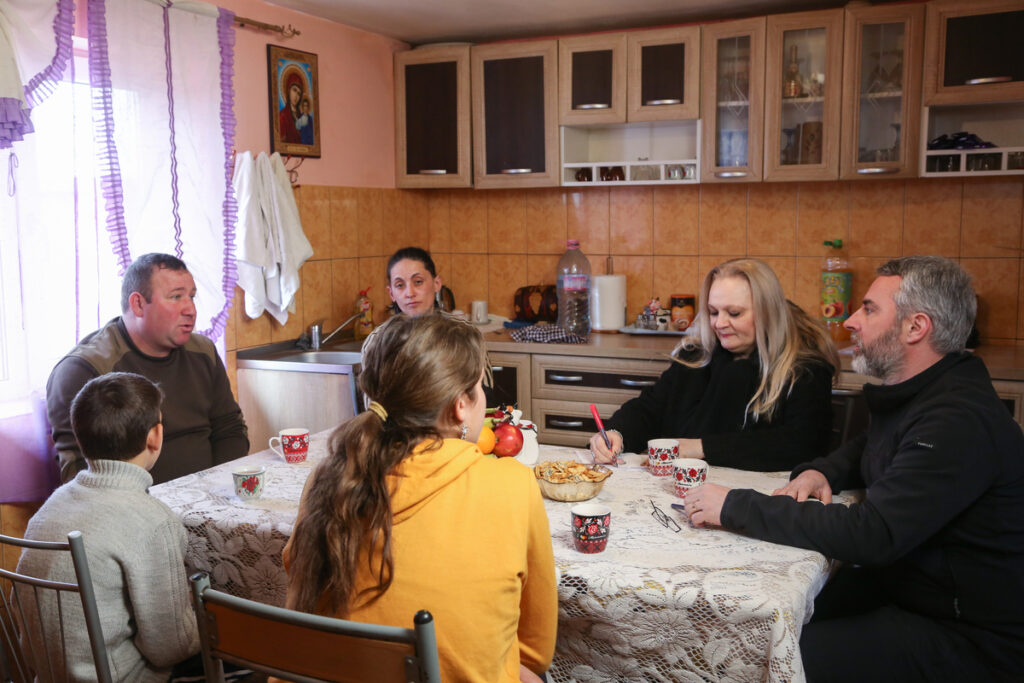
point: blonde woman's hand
(808, 484)
(691, 448)
(602, 454)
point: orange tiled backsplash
(488, 243)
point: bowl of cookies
(569, 481)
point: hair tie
(378, 410)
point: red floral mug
(294, 444)
(660, 454)
(590, 524)
(687, 473)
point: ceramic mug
(590, 525)
(660, 454)
(249, 481)
(688, 473)
(294, 444)
(479, 309)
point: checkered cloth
(552, 334)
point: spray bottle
(836, 283)
(364, 323)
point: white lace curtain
(125, 149)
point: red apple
(509, 440)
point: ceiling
(431, 21)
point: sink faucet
(315, 329)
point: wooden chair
(308, 648)
(849, 416)
(31, 647)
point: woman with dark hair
(750, 389)
(413, 282)
(406, 514)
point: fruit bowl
(570, 482)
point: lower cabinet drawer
(567, 423)
(588, 379)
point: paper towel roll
(608, 302)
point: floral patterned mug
(687, 473)
(249, 481)
(660, 454)
(590, 523)
(294, 444)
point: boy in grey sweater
(134, 543)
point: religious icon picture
(294, 102)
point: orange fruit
(487, 440)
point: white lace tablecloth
(657, 605)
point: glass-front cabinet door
(592, 79)
(802, 95)
(732, 101)
(663, 82)
(432, 117)
(881, 91)
(973, 52)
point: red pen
(604, 435)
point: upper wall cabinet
(882, 91)
(802, 95)
(515, 114)
(973, 52)
(592, 79)
(432, 138)
(732, 101)
(663, 80)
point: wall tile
(504, 276)
(250, 332)
(876, 218)
(506, 222)
(315, 213)
(345, 288)
(231, 368)
(372, 273)
(344, 222)
(785, 270)
(631, 220)
(443, 264)
(417, 218)
(823, 214)
(542, 269)
(469, 221)
(230, 338)
(639, 272)
(1020, 302)
(723, 219)
(317, 295)
(992, 217)
(439, 221)
(932, 217)
(291, 329)
(395, 235)
(587, 218)
(469, 278)
(545, 222)
(997, 282)
(865, 270)
(677, 220)
(771, 218)
(371, 221)
(672, 275)
(808, 285)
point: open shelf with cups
(958, 134)
(645, 153)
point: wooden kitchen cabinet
(511, 373)
(663, 74)
(804, 58)
(732, 101)
(564, 387)
(973, 52)
(592, 79)
(515, 114)
(432, 118)
(881, 114)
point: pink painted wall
(357, 110)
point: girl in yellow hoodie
(406, 514)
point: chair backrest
(849, 416)
(32, 646)
(309, 648)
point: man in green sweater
(153, 337)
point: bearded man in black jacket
(933, 585)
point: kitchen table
(657, 605)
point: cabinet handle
(731, 174)
(877, 170)
(637, 382)
(663, 102)
(567, 378)
(497, 368)
(433, 171)
(595, 105)
(565, 423)
(988, 79)
(512, 171)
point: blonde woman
(406, 514)
(750, 388)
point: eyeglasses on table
(664, 519)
